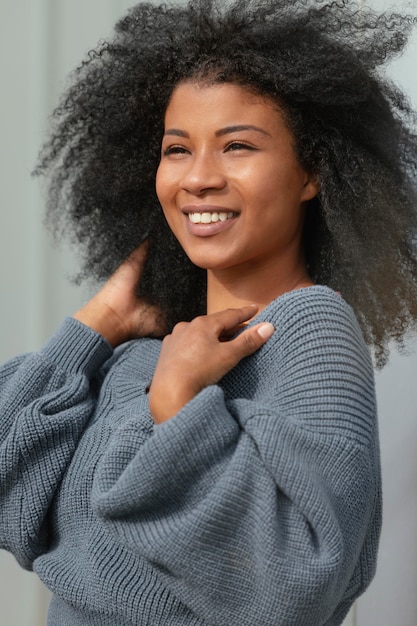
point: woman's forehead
(193, 101)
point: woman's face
(229, 183)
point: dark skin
(227, 157)
(193, 356)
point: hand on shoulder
(199, 353)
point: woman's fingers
(231, 321)
(228, 322)
(130, 270)
(244, 344)
(196, 355)
(116, 312)
(252, 339)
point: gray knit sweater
(258, 504)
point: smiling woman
(198, 444)
(234, 193)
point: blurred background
(41, 41)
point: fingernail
(266, 330)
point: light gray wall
(392, 599)
(40, 42)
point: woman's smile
(208, 220)
(210, 217)
(229, 182)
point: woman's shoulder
(316, 368)
(311, 308)
(314, 322)
(309, 299)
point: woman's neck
(229, 290)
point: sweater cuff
(76, 348)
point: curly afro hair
(321, 62)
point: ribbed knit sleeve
(45, 403)
(259, 502)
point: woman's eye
(172, 150)
(239, 145)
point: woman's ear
(311, 186)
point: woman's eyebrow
(177, 132)
(240, 127)
(222, 131)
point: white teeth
(209, 218)
(195, 218)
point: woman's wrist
(164, 404)
(102, 319)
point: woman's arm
(45, 402)
(264, 508)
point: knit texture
(258, 503)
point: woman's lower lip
(207, 230)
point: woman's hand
(200, 353)
(116, 312)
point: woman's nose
(203, 174)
